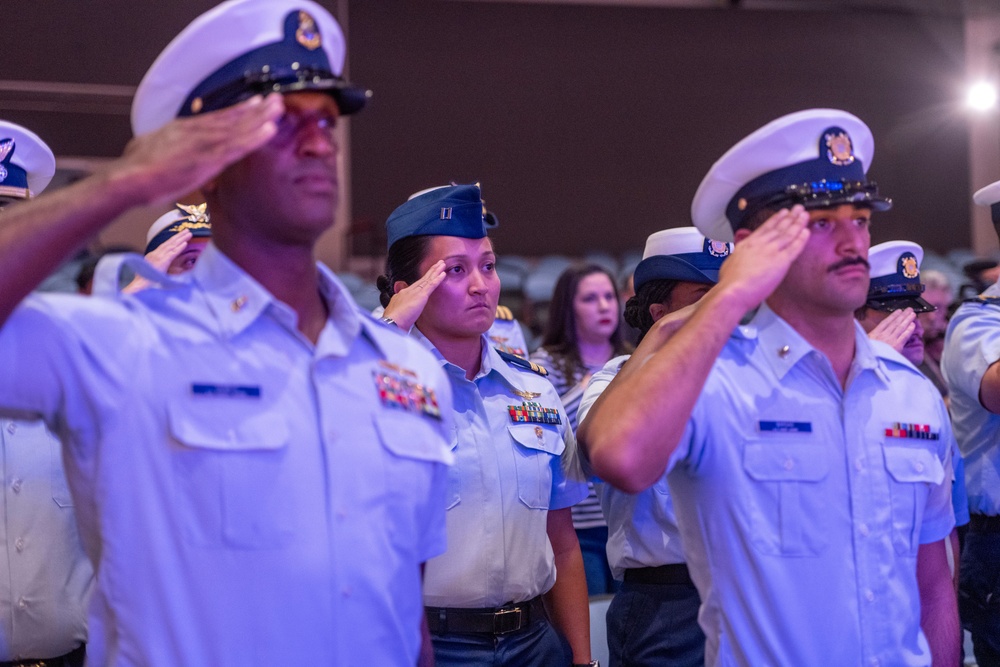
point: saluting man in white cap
(808, 466)
(971, 367)
(260, 468)
(46, 576)
(653, 619)
(890, 313)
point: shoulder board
(992, 300)
(521, 362)
(504, 313)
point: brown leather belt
(674, 574)
(500, 621)
(981, 523)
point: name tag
(784, 427)
(226, 390)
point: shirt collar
(237, 300)
(782, 346)
(490, 362)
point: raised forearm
(635, 425)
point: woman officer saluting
(509, 524)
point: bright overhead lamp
(982, 96)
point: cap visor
(918, 304)
(876, 203)
(667, 267)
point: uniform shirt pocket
(785, 495)
(231, 473)
(535, 447)
(413, 442)
(912, 472)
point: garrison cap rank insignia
(839, 149)
(915, 431)
(530, 412)
(908, 266)
(397, 388)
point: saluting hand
(761, 259)
(896, 329)
(160, 258)
(185, 153)
(408, 302)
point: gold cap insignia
(195, 212)
(717, 248)
(908, 266)
(839, 149)
(307, 34)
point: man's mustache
(848, 261)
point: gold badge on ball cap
(307, 34)
(839, 149)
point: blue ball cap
(895, 277)
(27, 165)
(450, 210)
(818, 158)
(683, 254)
(242, 48)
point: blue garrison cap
(818, 158)
(681, 254)
(450, 210)
(242, 48)
(895, 277)
(26, 163)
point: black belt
(508, 618)
(674, 574)
(982, 523)
(72, 659)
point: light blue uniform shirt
(45, 578)
(642, 528)
(247, 496)
(506, 477)
(971, 346)
(506, 335)
(800, 517)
